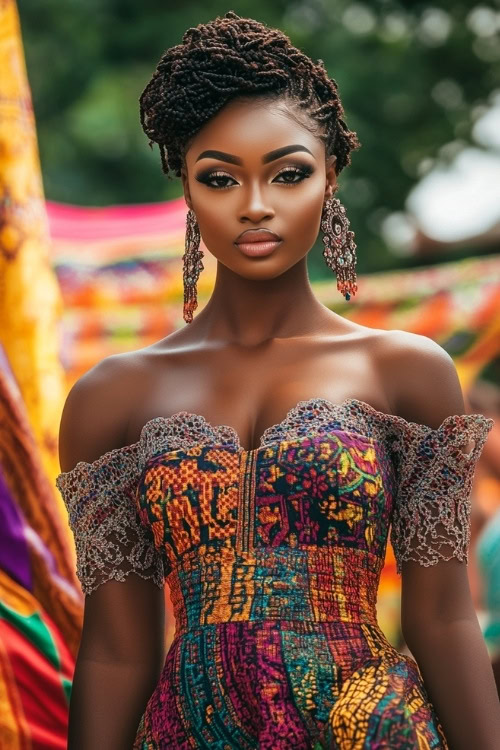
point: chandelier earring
(192, 265)
(340, 249)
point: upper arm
(124, 621)
(118, 566)
(431, 526)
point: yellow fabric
(30, 299)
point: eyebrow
(271, 156)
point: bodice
(294, 529)
(297, 526)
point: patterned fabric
(109, 541)
(273, 559)
(40, 602)
(432, 515)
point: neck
(249, 311)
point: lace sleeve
(110, 539)
(431, 517)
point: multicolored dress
(273, 558)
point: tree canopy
(413, 77)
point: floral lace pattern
(110, 541)
(316, 416)
(180, 432)
(431, 519)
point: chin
(265, 268)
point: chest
(251, 392)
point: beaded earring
(192, 265)
(340, 248)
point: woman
(254, 459)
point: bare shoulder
(421, 377)
(97, 408)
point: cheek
(211, 206)
(303, 199)
(301, 213)
(217, 223)
(299, 202)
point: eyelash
(206, 177)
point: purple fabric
(36, 543)
(14, 554)
(6, 368)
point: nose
(255, 207)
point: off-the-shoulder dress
(273, 558)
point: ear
(185, 186)
(331, 177)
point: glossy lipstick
(257, 242)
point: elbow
(426, 628)
(411, 632)
(128, 648)
(434, 599)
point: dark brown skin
(262, 343)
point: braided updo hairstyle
(233, 57)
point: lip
(257, 242)
(257, 235)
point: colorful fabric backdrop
(40, 599)
(77, 284)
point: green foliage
(411, 76)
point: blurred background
(92, 234)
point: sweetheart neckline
(268, 430)
(380, 415)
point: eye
(297, 174)
(207, 178)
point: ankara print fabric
(273, 559)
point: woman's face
(243, 174)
